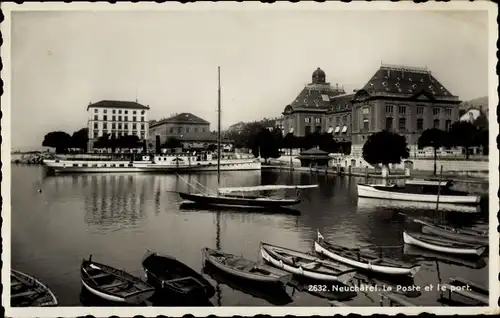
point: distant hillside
(480, 102)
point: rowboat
(243, 268)
(366, 260)
(443, 245)
(461, 235)
(113, 284)
(420, 254)
(170, 275)
(27, 291)
(306, 265)
(418, 191)
(274, 294)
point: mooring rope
(190, 184)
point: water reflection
(118, 217)
(369, 203)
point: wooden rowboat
(306, 265)
(243, 268)
(170, 275)
(443, 245)
(113, 284)
(27, 291)
(365, 260)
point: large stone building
(307, 113)
(177, 126)
(402, 99)
(117, 118)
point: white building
(117, 118)
(471, 115)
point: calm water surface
(117, 217)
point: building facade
(177, 126)
(405, 100)
(307, 113)
(117, 118)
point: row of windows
(113, 118)
(113, 111)
(420, 124)
(114, 125)
(307, 130)
(338, 120)
(117, 134)
(420, 110)
(179, 130)
(307, 120)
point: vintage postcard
(249, 158)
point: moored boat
(185, 162)
(418, 191)
(27, 291)
(112, 284)
(243, 268)
(366, 260)
(443, 245)
(170, 275)
(237, 201)
(303, 264)
(454, 234)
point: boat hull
(136, 299)
(342, 278)
(49, 303)
(389, 270)
(368, 191)
(466, 251)
(239, 273)
(69, 166)
(237, 201)
(454, 235)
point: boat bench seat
(100, 275)
(25, 294)
(116, 284)
(178, 279)
(15, 284)
(376, 261)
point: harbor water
(58, 220)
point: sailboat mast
(218, 131)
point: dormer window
(414, 86)
(422, 80)
(384, 83)
(397, 84)
(442, 88)
(409, 78)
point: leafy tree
(266, 144)
(434, 138)
(103, 142)
(384, 148)
(482, 139)
(129, 142)
(172, 143)
(327, 143)
(80, 139)
(212, 147)
(290, 142)
(463, 134)
(57, 139)
(481, 121)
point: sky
(64, 60)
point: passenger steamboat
(188, 162)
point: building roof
(182, 118)
(341, 103)
(406, 81)
(117, 104)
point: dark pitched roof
(315, 96)
(405, 81)
(182, 118)
(314, 152)
(341, 103)
(117, 104)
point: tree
(463, 134)
(57, 139)
(103, 141)
(481, 121)
(384, 148)
(266, 144)
(434, 138)
(172, 143)
(327, 143)
(290, 142)
(129, 142)
(80, 139)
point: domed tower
(319, 76)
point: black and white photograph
(247, 158)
